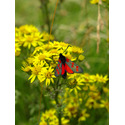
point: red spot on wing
(77, 68)
(67, 60)
(63, 69)
(59, 66)
(59, 60)
(57, 71)
(72, 64)
(68, 69)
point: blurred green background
(75, 23)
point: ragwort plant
(74, 98)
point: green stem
(45, 12)
(47, 17)
(57, 102)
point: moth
(65, 65)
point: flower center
(29, 39)
(41, 57)
(36, 70)
(55, 58)
(71, 109)
(48, 74)
(73, 83)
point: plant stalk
(44, 4)
(57, 102)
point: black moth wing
(73, 66)
(58, 70)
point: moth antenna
(67, 48)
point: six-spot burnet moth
(65, 65)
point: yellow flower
(74, 82)
(53, 64)
(94, 1)
(71, 110)
(42, 48)
(46, 36)
(56, 58)
(63, 44)
(55, 53)
(95, 96)
(53, 102)
(64, 121)
(42, 57)
(17, 30)
(69, 98)
(38, 49)
(87, 78)
(29, 41)
(49, 117)
(19, 38)
(36, 70)
(43, 123)
(93, 88)
(83, 115)
(92, 103)
(105, 104)
(69, 56)
(47, 75)
(17, 49)
(37, 37)
(106, 90)
(103, 79)
(27, 29)
(81, 57)
(77, 50)
(97, 77)
(30, 60)
(55, 44)
(26, 67)
(50, 113)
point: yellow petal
(33, 79)
(78, 87)
(47, 82)
(52, 80)
(29, 45)
(41, 79)
(75, 91)
(71, 90)
(30, 77)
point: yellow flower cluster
(93, 96)
(90, 98)
(73, 103)
(43, 60)
(28, 36)
(76, 80)
(49, 117)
